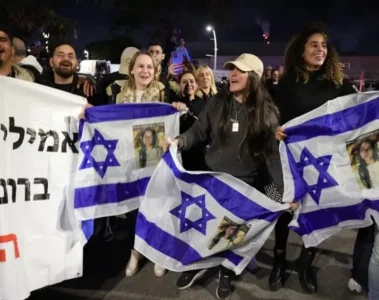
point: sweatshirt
(220, 158)
(295, 98)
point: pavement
(104, 278)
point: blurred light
(268, 42)
(264, 35)
(209, 28)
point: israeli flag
(195, 220)
(119, 148)
(331, 163)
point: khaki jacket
(21, 73)
(155, 93)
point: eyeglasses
(70, 56)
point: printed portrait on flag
(148, 141)
(364, 158)
(229, 234)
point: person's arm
(187, 54)
(347, 88)
(200, 130)
(273, 161)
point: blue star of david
(90, 162)
(325, 180)
(186, 224)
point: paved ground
(104, 277)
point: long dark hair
(294, 64)
(142, 152)
(260, 111)
(363, 172)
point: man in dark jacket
(63, 77)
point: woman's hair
(294, 64)
(131, 81)
(261, 111)
(363, 172)
(187, 64)
(142, 152)
(185, 73)
(213, 82)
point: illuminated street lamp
(86, 54)
(210, 28)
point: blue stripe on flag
(330, 217)
(109, 193)
(226, 196)
(88, 228)
(172, 246)
(122, 112)
(299, 183)
(333, 124)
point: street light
(86, 54)
(210, 28)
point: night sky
(353, 26)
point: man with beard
(64, 64)
(6, 53)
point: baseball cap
(246, 63)
(126, 58)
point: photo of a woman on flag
(365, 159)
(150, 152)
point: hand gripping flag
(195, 220)
(120, 146)
(331, 163)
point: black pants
(282, 231)
(362, 254)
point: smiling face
(188, 81)
(64, 62)
(6, 49)
(315, 51)
(238, 81)
(143, 71)
(205, 78)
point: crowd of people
(234, 129)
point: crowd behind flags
(230, 239)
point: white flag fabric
(331, 163)
(120, 146)
(41, 243)
(194, 220)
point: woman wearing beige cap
(238, 125)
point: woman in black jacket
(312, 77)
(238, 126)
(193, 160)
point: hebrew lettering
(12, 183)
(45, 183)
(10, 238)
(26, 182)
(5, 130)
(70, 142)
(32, 134)
(4, 199)
(18, 130)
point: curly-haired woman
(311, 78)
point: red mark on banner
(10, 238)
